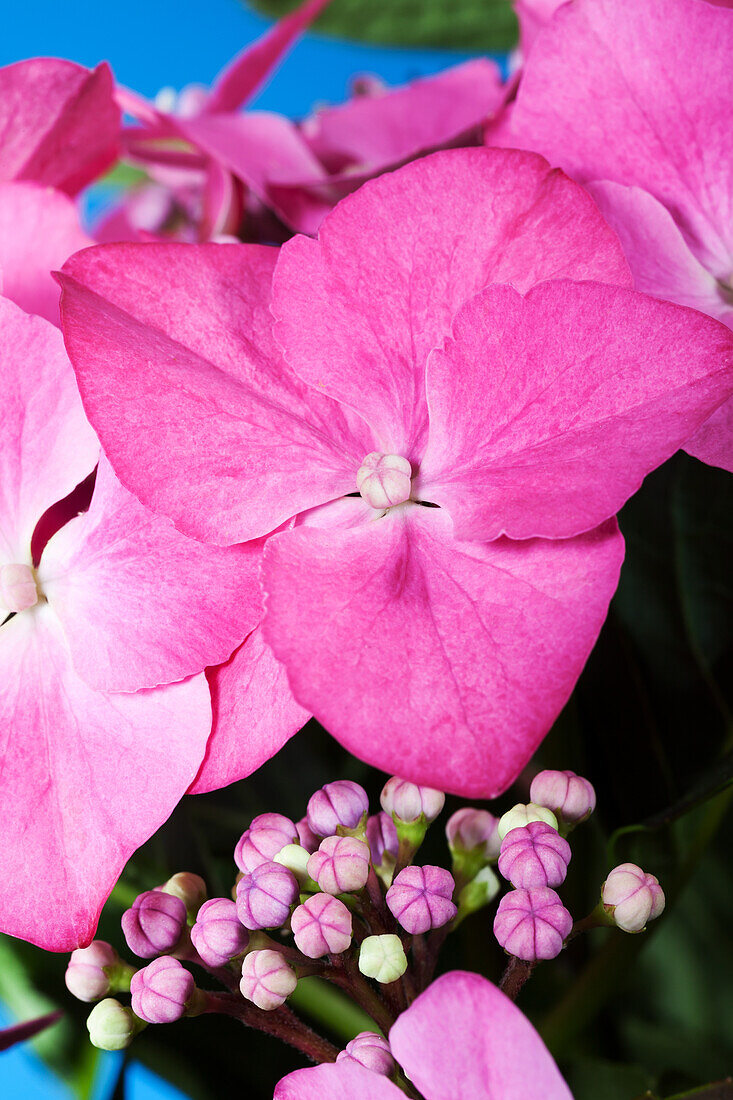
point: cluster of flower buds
(339, 895)
(531, 922)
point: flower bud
(218, 934)
(162, 991)
(321, 926)
(342, 803)
(306, 836)
(521, 815)
(631, 897)
(405, 801)
(382, 837)
(420, 898)
(532, 924)
(295, 858)
(470, 830)
(382, 958)
(570, 797)
(155, 923)
(384, 479)
(266, 836)
(265, 895)
(370, 1051)
(341, 865)
(267, 980)
(190, 888)
(86, 975)
(534, 855)
(111, 1026)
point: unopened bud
(532, 924)
(163, 991)
(267, 835)
(370, 1051)
(321, 926)
(111, 1026)
(534, 855)
(384, 479)
(570, 797)
(631, 897)
(295, 858)
(420, 898)
(471, 830)
(407, 802)
(218, 934)
(88, 973)
(382, 958)
(18, 589)
(154, 924)
(190, 888)
(521, 815)
(339, 805)
(341, 865)
(267, 980)
(306, 836)
(382, 838)
(265, 895)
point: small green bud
(382, 958)
(111, 1026)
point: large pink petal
(244, 75)
(254, 715)
(546, 412)
(85, 778)
(609, 93)
(360, 309)
(713, 442)
(464, 1038)
(336, 1081)
(39, 230)
(48, 446)
(442, 661)
(375, 131)
(194, 406)
(140, 603)
(58, 123)
(533, 16)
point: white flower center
(384, 480)
(18, 589)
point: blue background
(151, 44)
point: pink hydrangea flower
(420, 898)
(534, 855)
(437, 642)
(321, 926)
(653, 143)
(461, 1037)
(161, 991)
(341, 864)
(59, 123)
(89, 637)
(532, 924)
(266, 836)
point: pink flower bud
(266, 836)
(267, 980)
(631, 897)
(161, 991)
(155, 923)
(407, 801)
(370, 1051)
(570, 797)
(340, 803)
(321, 926)
(532, 924)
(384, 480)
(382, 837)
(341, 865)
(306, 836)
(85, 976)
(468, 830)
(265, 895)
(18, 589)
(534, 855)
(218, 934)
(420, 898)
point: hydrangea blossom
(461, 1037)
(96, 752)
(439, 642)
(653, 143)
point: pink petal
(254, 715)
(188, 392)
(609, 93)
(245, 74)
(533, 16)
(376, 131)
(440, 661)
(48, 446)
(464, 1037)
(39, 229)
(336, 1081)
(713, 442)
(58, 123)
(86, 779)
(141, 604)
(360, 309)
(567, 399)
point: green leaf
(474, 25)
(598, 1079)
(721, 1090)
